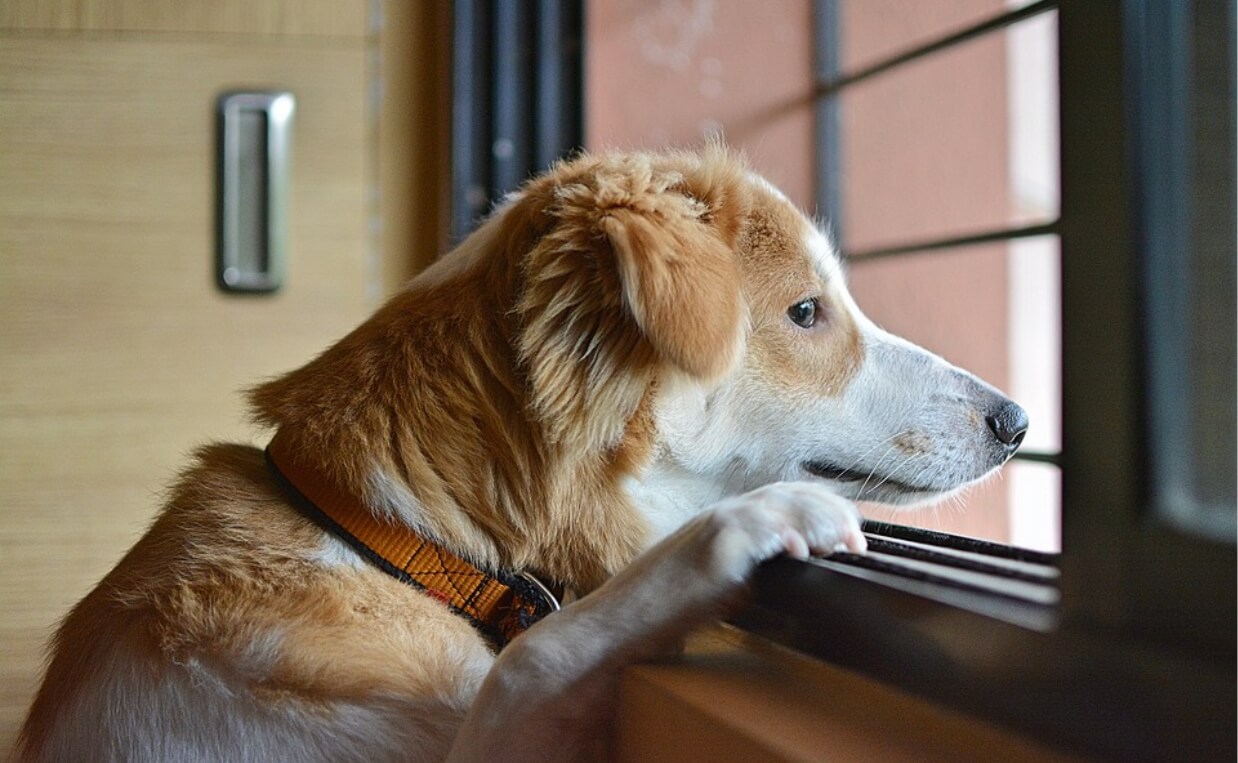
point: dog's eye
(804, 314)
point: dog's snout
(1008, 422)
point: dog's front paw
(796, 518)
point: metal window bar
(558, 120)
(987, 237)
(517, 93)
(832, 81)
(511, 141)
(835, 81)
(828, 125)
(470, 115)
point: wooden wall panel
(414, 136)
(333, 18)
(118, 354)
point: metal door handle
(253, 152)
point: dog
(640, 377)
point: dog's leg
(551, 694)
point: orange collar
(501, 606)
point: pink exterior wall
(664, 73)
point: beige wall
(119, 356)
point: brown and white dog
(642, 376)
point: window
(1148, 214)
(1137, 661)
(1137, 658)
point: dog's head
(688, 283)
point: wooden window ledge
(733, 696)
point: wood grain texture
(330, 18)
(119, 355)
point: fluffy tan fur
(776, 275)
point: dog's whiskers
(859, 459)
(873, 472)
(907, 461)
(926, 467)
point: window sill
(732, 696)
(1000, 659)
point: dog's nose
(1009, 424)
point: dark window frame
(1159, 581)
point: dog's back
(222, 630)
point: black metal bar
(1053, 459)
(1185, 148)
(512, 95)
(828, 126)
(548, 84)
(470, 140)
(959, 543)
(558, 112)
(517, 100)
(987, 237)
(1161, 135)
(1044, 575)
(867, 562)
(1006, 19)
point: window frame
(1139, 661)
(1109, 672)
(1106, 240)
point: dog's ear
(680, 283)
(635, 270)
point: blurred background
(935, 167)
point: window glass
(961, 141)
(1034, 491)
(1034, 331)
(880, 29)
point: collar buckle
(548, 598)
